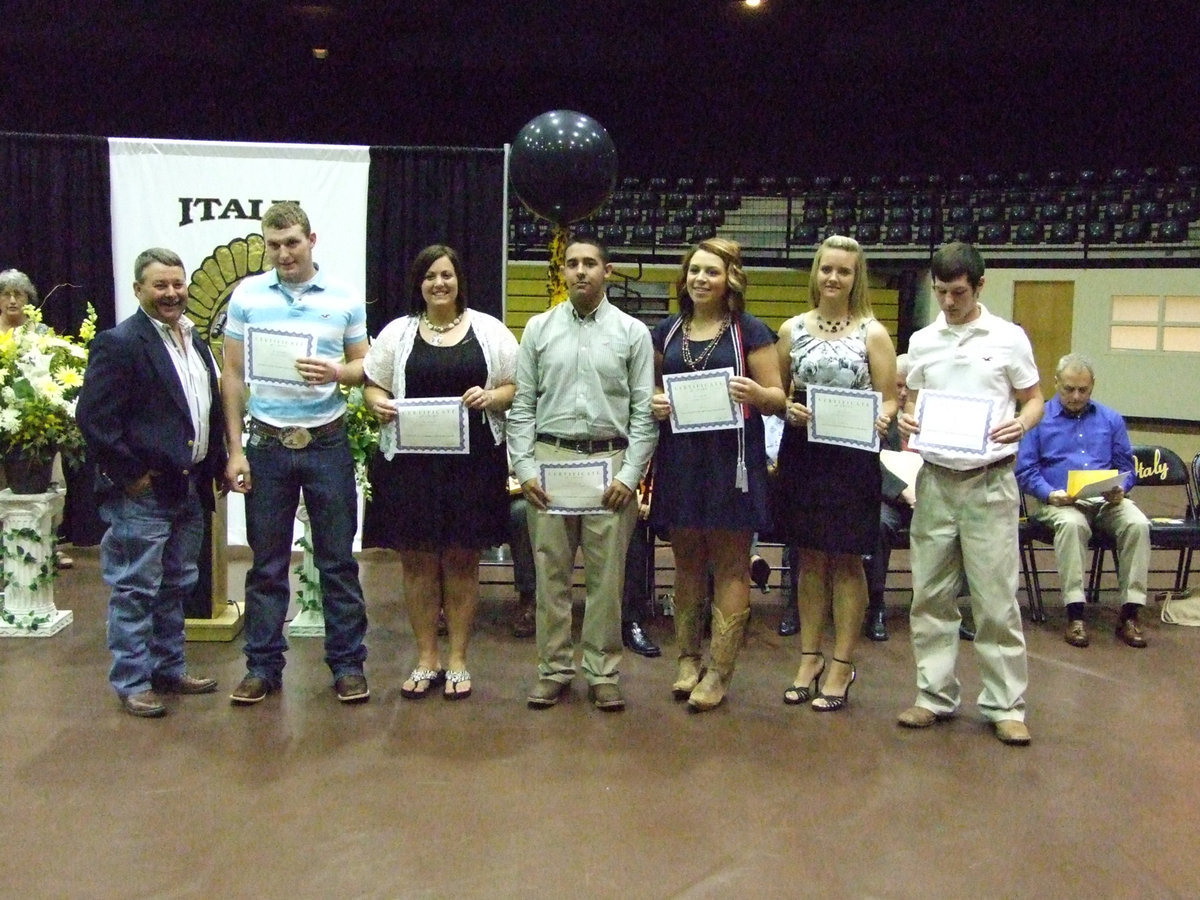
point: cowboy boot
(687, 636)
(724, 649)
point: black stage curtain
(56, 227)
(417, 196)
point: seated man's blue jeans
(148, 556)
(324, 471)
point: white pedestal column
(310, 620)
(27, 564)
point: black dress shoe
(874, 628)
(635, 639)
(760, 573)
(965, 633)
(790, 623)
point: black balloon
(563, 166)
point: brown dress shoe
(546, 693)
(144, 705)
(352, 688)
(1076, 635)
(1012, 731)
(920, 717)
(250, 690)
(607, 697)
(1129, 631)
(185, 684)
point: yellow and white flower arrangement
(40, 376)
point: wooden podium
(224, 622)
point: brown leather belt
(296, 437)
(605, 446)
(998, 464)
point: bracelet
(337, 372)
(1021, 422)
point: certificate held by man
(844, 416)
(271, 355)
(432, 425)
(700, 401)
(575, 488)
(949, 421)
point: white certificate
(949, 421)
(432, 425)
(576, 487)
(271, 355)
(700, 401)
(844, 416)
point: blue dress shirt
(1061, 442)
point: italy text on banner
(203, 199)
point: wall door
(1044, 309)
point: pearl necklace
(439, 330)
(697, 364)
(833, 327)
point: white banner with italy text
(204, 200)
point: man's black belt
(296, 437)
(605, 446)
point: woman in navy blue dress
(710, 491)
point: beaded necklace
(439, 330)
(695, 364)
(833, 327)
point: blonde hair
(860, 301)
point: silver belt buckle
(295, 437)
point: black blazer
(134, 415)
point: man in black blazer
(151, 415)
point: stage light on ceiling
(320, 52)
(753, 4)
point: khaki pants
(966, 523)
(1123, 522)
(604, 538)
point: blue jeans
(148, 557)
(324, 470)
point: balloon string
(556, 286)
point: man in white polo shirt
(965, 519)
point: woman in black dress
(710, 486)
(830, 493)
(442, 509)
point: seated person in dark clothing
(895, 512)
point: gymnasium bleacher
(1125, 212)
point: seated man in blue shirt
(1079, 433)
